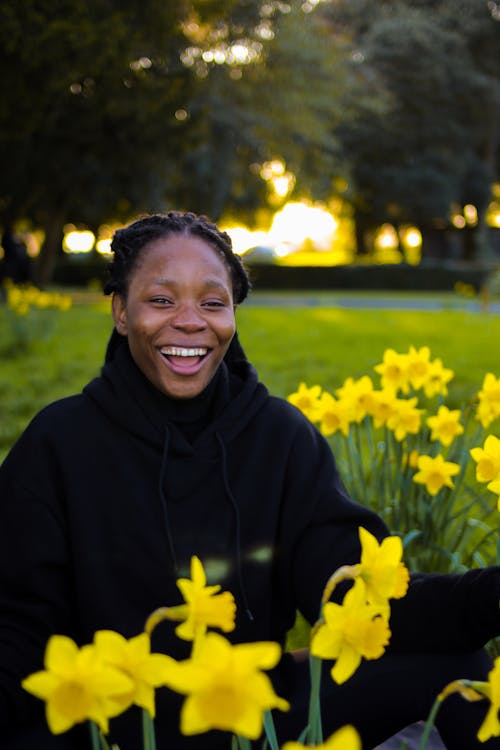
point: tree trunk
(51, 249)
(361, 227)
(435, 243)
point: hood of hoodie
(129, 400)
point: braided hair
(130, 242)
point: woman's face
(178, 314)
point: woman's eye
(161, 301)
(214, 303)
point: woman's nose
(188, 317)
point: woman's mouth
(184, 359)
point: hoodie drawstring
(166, 519)
(236, 511)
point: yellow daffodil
(358, 395)
(418, 366)
(393, 371)
(384, 574)
(437, 379)
(406, 418)
(334, 415)
(351, 631)
(134, 658)
(445, 426)
(20, 299)
(488, 464)
(77, 685)
(225, 686)
(307, 400)
(382, 406)
(204, 607)
(489, 400)
(487, 459)
(346, 738)
(491, 724)
(435, 473)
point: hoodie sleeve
(441, 612)
(320, 519)
(34, 586)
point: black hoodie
(108, 494)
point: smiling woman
(176, 450)
(178, 314)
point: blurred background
(327, 135)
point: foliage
(31, 315)
(443, 88)
(164, 112)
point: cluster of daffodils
(359, 627)
(21, 298)
(401, 434)
(225, 684)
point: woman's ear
(119, 311)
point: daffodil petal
(347, 663)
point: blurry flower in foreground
(435, 473)
(393, 372)
(406, 418)
(76, 685)
(489, 400)
(307, 400)
(445, 426)
(346, 738)
(134, 658)
(204, 607)
(381, 569)
(491, 724)
(418, 366)
(351, 630)
(226, 689)
(488, 464)
(437, 379)
(334, 415)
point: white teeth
(176, 351)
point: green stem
(243, 743)
(315, 731)
(429, 724)
(270, 731)
(148, 731)
(95, 736)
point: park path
(360, 301)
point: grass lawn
(316, 344)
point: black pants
(386, 695)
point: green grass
(287, 345)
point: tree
(90, 94)
(432, 148)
